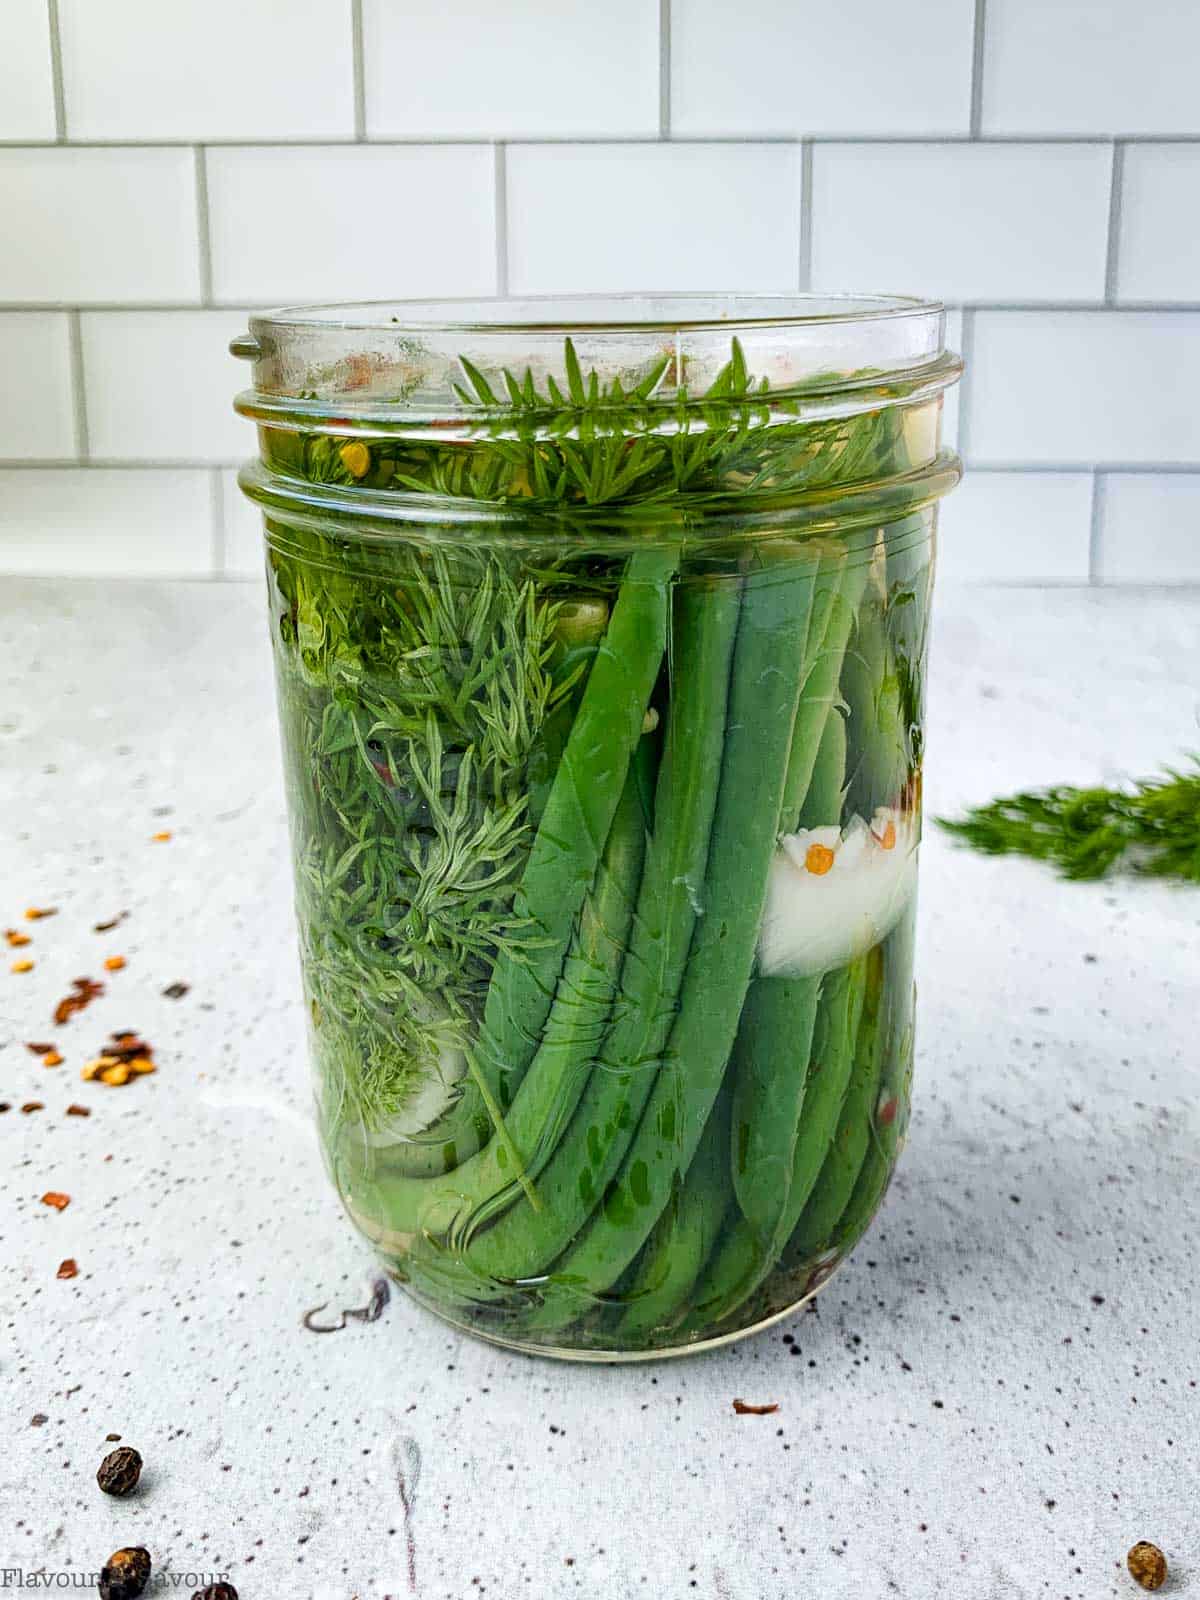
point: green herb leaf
(1153, 828)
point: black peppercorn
(120, 1471)
(217, 1591)
(125, 1574)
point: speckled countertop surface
(995, 1398)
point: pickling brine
(600, 638)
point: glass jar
(600, 632)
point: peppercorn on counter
(1000, 1384)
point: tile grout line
(203, 230)
(950, 137)
(83, 445)
(1115, 203)
(359, 67)
(978, 44)
(664, 69)
(500, 201)
(1096, 532)
(56, 73)
(804, 264)
(216, 494)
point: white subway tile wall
(26, 75)
(1017, 527)
(1149, 528)
(1090, 66)
(1096, 386)
(165, 167)
(965, 222)
(206, 69)
(87, 224)
(691, 216)
(358, 222)
(138, 408)
(37, 410)
(522, 69)
(1159, 251)
(775, 67)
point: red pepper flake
(83, 992)
(36, 913)
(14, 938)
(125, 1057)
(113, 922)
(40, 1049)
(67, 1268)
(176, 991)
(113, 963)
(53, 1197)
(161, 837)
(52, 1059)
(744, 1410)
(22, 966)
(78, 1111)
(5, 1105)
(33, 1105)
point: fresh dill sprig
(413, 706)
(1152, 827)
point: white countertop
(994, 1399)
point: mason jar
(600, 633)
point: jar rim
(566, 313)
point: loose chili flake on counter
(22, 966)
(74, 1110)
(14, 938)
(36, 913)
(113, 922)
(745, 1410)
(39, 1047)
(52, 1059)
(33, 1105)
(83, 992)
(68, 1268)
(176, 991)
(55, 1198)
(161, 837)
(113, 963)
(125, 1056)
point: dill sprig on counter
(1152, 827)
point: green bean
(745, 1256)
(777, 1025)
(619, 1073)
(562, 860)
(683, 1237)
(888, 1115)
(842, 1165)
(578, 815)
(764, 693)
(524, 1243)
(465, 1198)
(577, 634)
(770, 1058)
(840, 586)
